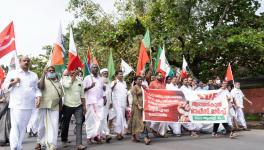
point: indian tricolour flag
(163, 65)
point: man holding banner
(224, 95)
(159, 128)
(175, 126)
(188, 92)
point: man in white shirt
(225, 94)
(107, 94)
(24, 95)
(119, 98)
(175, 126)
(95, 101)
(188, 94)
(239, 97)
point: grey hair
(22, 56)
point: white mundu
(33, 122)
(107, 94)
(238, 97)
(175, 126)
(22, 101)
(119, 98)
(94, 105)
(188, 94)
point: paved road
(248, 140)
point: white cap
(103, 70)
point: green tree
(210, 33)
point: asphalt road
(248, 140)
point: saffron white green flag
(164, 66)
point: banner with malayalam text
(162, 105)
(210, 107)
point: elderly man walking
(48, 113)
(24, 94)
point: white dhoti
(33, 122)
(160, 127)
(19, 121)
(192, 126)
(48, 128)
(93, 119)
(232, 114)
(176, 127)
(120, 123)
(104, 124)
(241, 117)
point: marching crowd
(44, 107)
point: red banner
(162, 105)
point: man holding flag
(95, 101)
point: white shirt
(171, 86)
(187, 92)
(107, 92)
(119, 93)
(95, 94)
(224, 95)
(23, 94)
(238, 95)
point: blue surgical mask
(50, 75)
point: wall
(255, 95)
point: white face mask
(238, 87)
(218, 81)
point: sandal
(215, 134)
(119, 137)
(147, 140)
(135, 139)
(233, 135)
(194, 134)
(38, 147)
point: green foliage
(210, 33)
(39, 63)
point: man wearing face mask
(239, 97)
(24, 96)
(217, 82)
(51, 90)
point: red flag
(74, 61)
(2, 75)
(142, 58)
(95, 61)
(229, 75)
(88, 58)
(7, 40)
